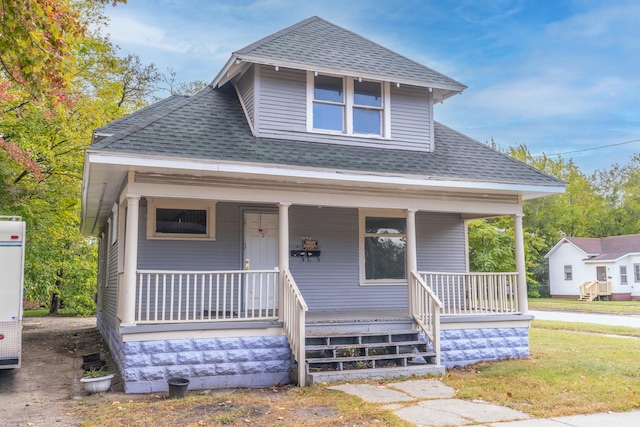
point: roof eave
(228, 72)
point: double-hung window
(636, 273)
(383, 249)
(568, 272)
(347, 105)
(623, 275)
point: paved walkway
(429, 403)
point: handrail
(425, 309)
(477, 293)
(294, 321)
(594, 288)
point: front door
(261, 253)
(601, 273)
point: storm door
(601, 272)
(261, 253)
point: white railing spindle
(474, 293)
(199, 296)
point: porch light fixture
(277, 68)
(398, 85)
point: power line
(589, 149)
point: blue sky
(556, 75)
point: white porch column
(128, 291)
(412, 253)
(521, 267)
(283, 252)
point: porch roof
(209, 129)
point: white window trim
(382, 213)
(636, 279)
(155, 203)
(348, 105)
(625, 275)
(113, 232)
(564, 272)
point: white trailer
(12, 241)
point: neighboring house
(596, 267)
(304, 214)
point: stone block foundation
(208, 363)
(460, 347)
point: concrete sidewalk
(428, 403)
(629, 320)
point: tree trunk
(55, 295)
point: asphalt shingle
(212, 125)
(315, 41)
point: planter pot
(178, 387)
(98, 384)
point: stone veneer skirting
(460, 347)
(208, 363)
(262, 361)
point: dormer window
(346, 105)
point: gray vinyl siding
(440, 242)
(411, 122)
(110, 291)
(246, 90)
(282, 109)
(333, 282)
(224, 253)
(283, 102)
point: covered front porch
(249, 298)
(305, 296)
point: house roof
(607, 248)
(212, 125)
(317, 45)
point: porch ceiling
(105, 176)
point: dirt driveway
(42, 392)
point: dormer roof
(320, 46)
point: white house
(304, 213)
(576, 262)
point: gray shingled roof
(140, 116)
(607, 248)
(212, 125)
(315, 41)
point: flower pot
(98, 384)
(178, 387)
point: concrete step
(374, 374)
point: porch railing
(205, 296)
(593, 289)
(294, 321)
(474, 293)
(425, 310)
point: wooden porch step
(363, 345)
(392, 356)
(366, 350)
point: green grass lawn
(615, 307)
(569, 372)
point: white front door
(261, 253)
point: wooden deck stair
(375, 355)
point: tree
(47, 116)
